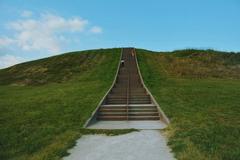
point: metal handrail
(128, 89)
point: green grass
(108, 132)
(200, 92)
(44, 103)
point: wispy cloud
(26, 14)
(96, 29)
(5, 41)
(9, 60)
(43, 32)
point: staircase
(128, 99)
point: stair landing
(128, 125)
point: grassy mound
(56, 69)
(44, 103)
(199, 90)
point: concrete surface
(128, 124)
(142, 145)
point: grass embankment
(200, 93)
(44, 103)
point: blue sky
(32, 29)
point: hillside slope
(200, 93)
(44, 103)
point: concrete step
(123, 118)
(116, 102)
(112, 118)
(113, 107)
(117, 97)
(143, 118)
(142, 107)
(147, 110)
(131, 109)
(112, 114)
(140, 102)
(130, 105)
(143, 114)
(112, 110)
(132, 89)
(122, 101)
(140, 98)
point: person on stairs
(122, 63)
(133, 53)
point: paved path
(142, 145)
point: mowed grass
(44, 103)
(200, 93)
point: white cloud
(5, 41)
(96, 29)
(42, 33)
(37, 34)
(26, 14)
(9, 60)
(53, 22)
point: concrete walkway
(142, 145)
(128, 125)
